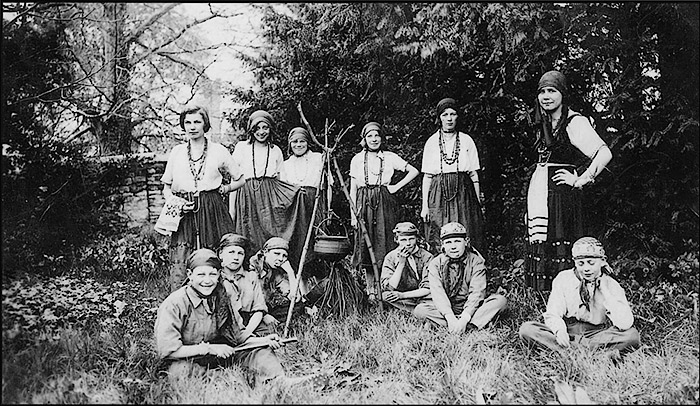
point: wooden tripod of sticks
(325, 176)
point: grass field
(80, 338)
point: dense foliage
(636, 78)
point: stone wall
(143, 191)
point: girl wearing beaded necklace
(372, 194)
(193, 172)
(265, 206)
(303, 168)
(450, 189)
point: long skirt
(304, 206)
(452, 198)
(206, 224)
(266, 208)
(377, 208)
(555, 221)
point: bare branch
(149, 21)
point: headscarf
(231, 239)
(588, 247)
(372, 125)
(444, 104)
(275, 243)
(203, 257)
(295, 134)
(260, 116)
(554, 79)
(557, 80)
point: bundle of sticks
(343, 295)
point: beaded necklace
(267, 161)
(197, 175)
(455, 152)
(444, 187)
(378, 174)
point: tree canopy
(632, 68)
(116, 71)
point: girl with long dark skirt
(264, 206)
(450, 190)
(373, 196)
(570, 155)
(303, 168)
(192, 172)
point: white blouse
(468, 159)
(392, 162)
(303, 170)
(243, 157)
(179, 175)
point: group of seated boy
(231, 300)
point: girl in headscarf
(571, 155)
(373, 196)
(265, 206)
(192, 176)
(303, 168)
(450, 191)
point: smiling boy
(196, 329)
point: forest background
(87, 80)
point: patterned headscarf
(588, 247)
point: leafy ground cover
(83, 337)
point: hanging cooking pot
(331, 247)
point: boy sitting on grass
(196, 329)
(586, 306)
(457, 282)
(242, 285)
(403, 268)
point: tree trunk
(115, 134)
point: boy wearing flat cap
(196, 329)
(403, 269)
(457, 282)
(586, 306)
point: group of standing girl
(273, 197)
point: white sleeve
(583, 136)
